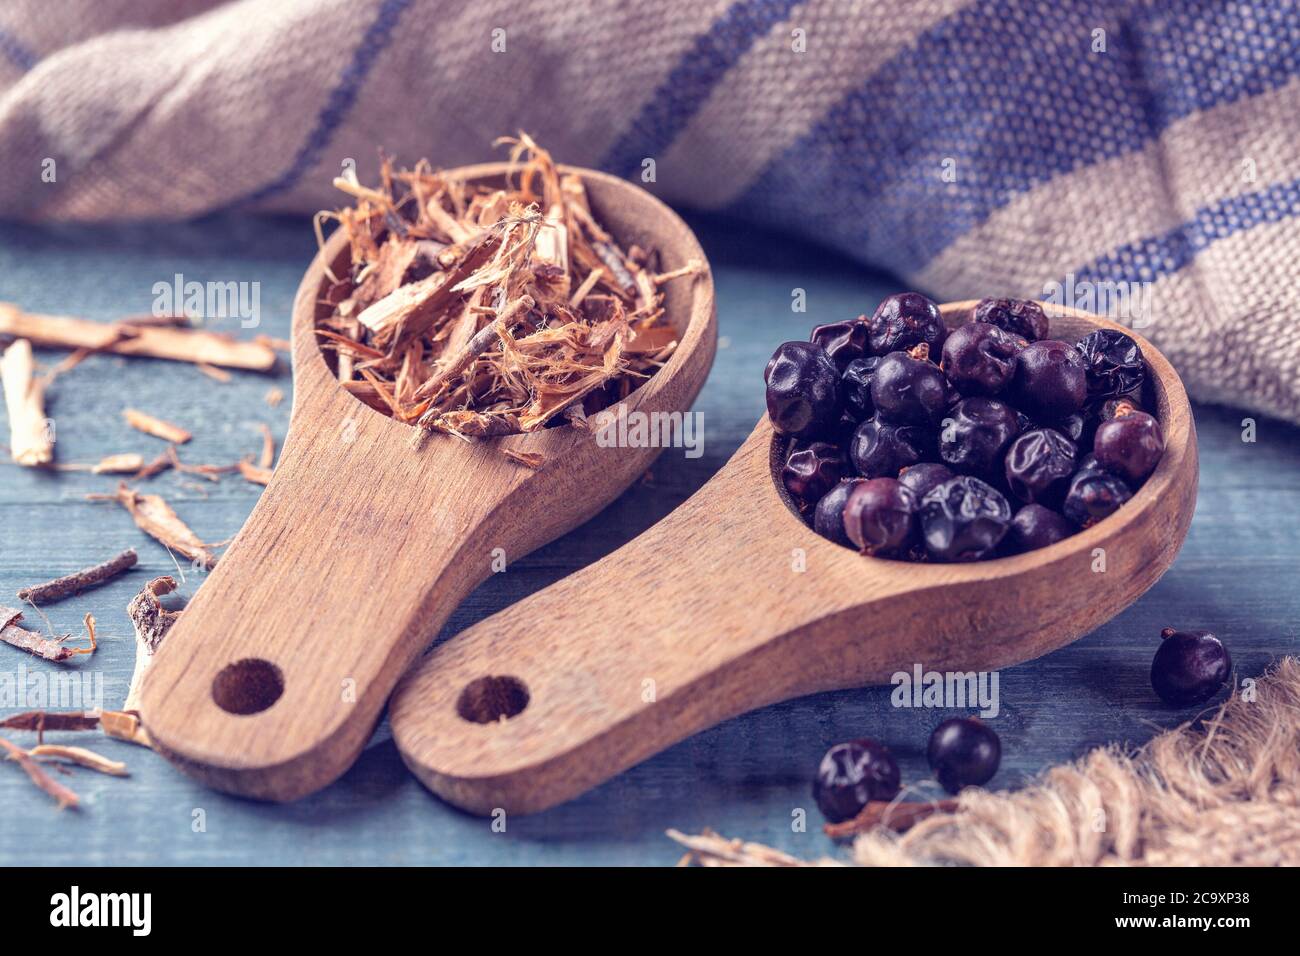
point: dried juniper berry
(812, 470)
(1114, 363)
(880, 449)
(1039, 464)
(979, 358)
(1035, 526)
(905, 320)
(1075, 427)
(1022, 317)
(880, 516)
(855, 387)
(963, 519)
(803, 393)
(853, 774)
(1189, 667)
(1129, 445)
(924, 475)
(828, 516)
(1050, 381)
(842, 341)
(964, 752)
(909, 391)
(1094, 495)
(974, 436)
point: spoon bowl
(732, 602)
(360, 547)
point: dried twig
(49, 648)
(136, 337)
(79, 581)
(81, 756)
(62, 795)
(141, 421)
(30, 441)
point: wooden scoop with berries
(733, 602)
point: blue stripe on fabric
(1148, 259)
(339, 103)
(1013, 94)
(691, 81)
(16, 52)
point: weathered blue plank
(745, 778)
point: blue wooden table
(1236, 575)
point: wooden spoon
(274, 676)
(732, 602)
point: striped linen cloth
(1139, 158)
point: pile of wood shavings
(477, 311)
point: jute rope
(1221, 791)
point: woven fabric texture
(1140, 159)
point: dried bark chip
(142, 421)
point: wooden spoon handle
(698, 619)
(274, 676)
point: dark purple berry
(855, 387)
(1129, 446)
(879, 516)
(923, 476)
(828, 516)
(853, 774)
(813, 470)
(1075, 427)
(964, 752)
(905, 320)
(979, 358)
(1094, 495)
(909, 391)
(842, 341)
(1036, 527)
(803, 394)
(964, 519)
(976, 433)
(1189, 667)
(882, 450)
(1050, 381)
(1114, 363)
(1039, 464)
(1022, 317)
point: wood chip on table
(49, 648)
(61, 794)
(78, 581)
(31, 442)
(274, 396)
(255, 473)
(150, 425)
(137, 338)
(155, 517)
(125, 725)
(151, 621)
(122, 464)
